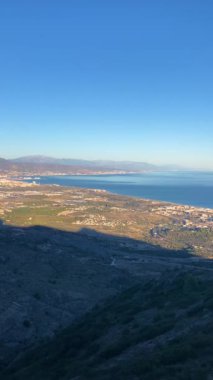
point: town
(151, 222)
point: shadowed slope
(50, 278)
(159, 330)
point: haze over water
(189, 188)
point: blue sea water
(190, 188)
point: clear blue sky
(111, 79)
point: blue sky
(109, 79)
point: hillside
(42, 165)
(154, 330)
(39, 165)
(5, 164)
(125, 277)
(21, 168)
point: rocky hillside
(155, 330)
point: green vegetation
(170, 226)
(39, 215)
(157, 330)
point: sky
(107, 79)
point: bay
(189, 188)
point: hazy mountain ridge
(33, 167)
(87, 163)
(101, 164)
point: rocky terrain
(158, 329)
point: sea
(188, 188)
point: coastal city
(153, 222)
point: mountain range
(51, 163)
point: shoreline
(34, 179)
(73, 208)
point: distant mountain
(43, 165)
(98, 164)
(3, 161)
(5, 164)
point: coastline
(121, 190)
(148, 221)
